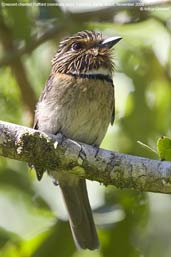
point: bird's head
(86, 52)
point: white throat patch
(100, 71)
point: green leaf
(164, 148)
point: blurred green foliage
(135, 227)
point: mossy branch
(58, 153)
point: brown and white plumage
(78, 101)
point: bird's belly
(82, 112)
(86, 127)
(87, 116)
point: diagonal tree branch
(26, 49)
(58, 154)
(18, 69)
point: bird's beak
(110, 42)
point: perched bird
(78, 101)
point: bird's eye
(77, 46)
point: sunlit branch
(58, 153)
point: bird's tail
(80, 214)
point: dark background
(32, 216)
